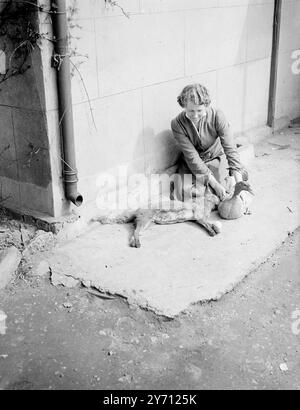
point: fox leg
(142, 223)
(209, 227)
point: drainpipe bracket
(57, 60)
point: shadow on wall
(243, 75)
(256, 76)
(155, 153)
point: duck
(238, 204)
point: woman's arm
(227, 141)
(237, 176)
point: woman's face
(195, 112)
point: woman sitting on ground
(204, 137)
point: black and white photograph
(149, 198)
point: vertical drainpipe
(274, 63)
(61, 61)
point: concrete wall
(288, 92)
(136, 67)
(126, 76)
(27, 143)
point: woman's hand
(220, 191)
(218, 188)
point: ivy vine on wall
(19, 32)
(114, 3)
(19, 35)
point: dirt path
(62, 339)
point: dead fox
(143, 218)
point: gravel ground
(71, 339)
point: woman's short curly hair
(195, 93)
